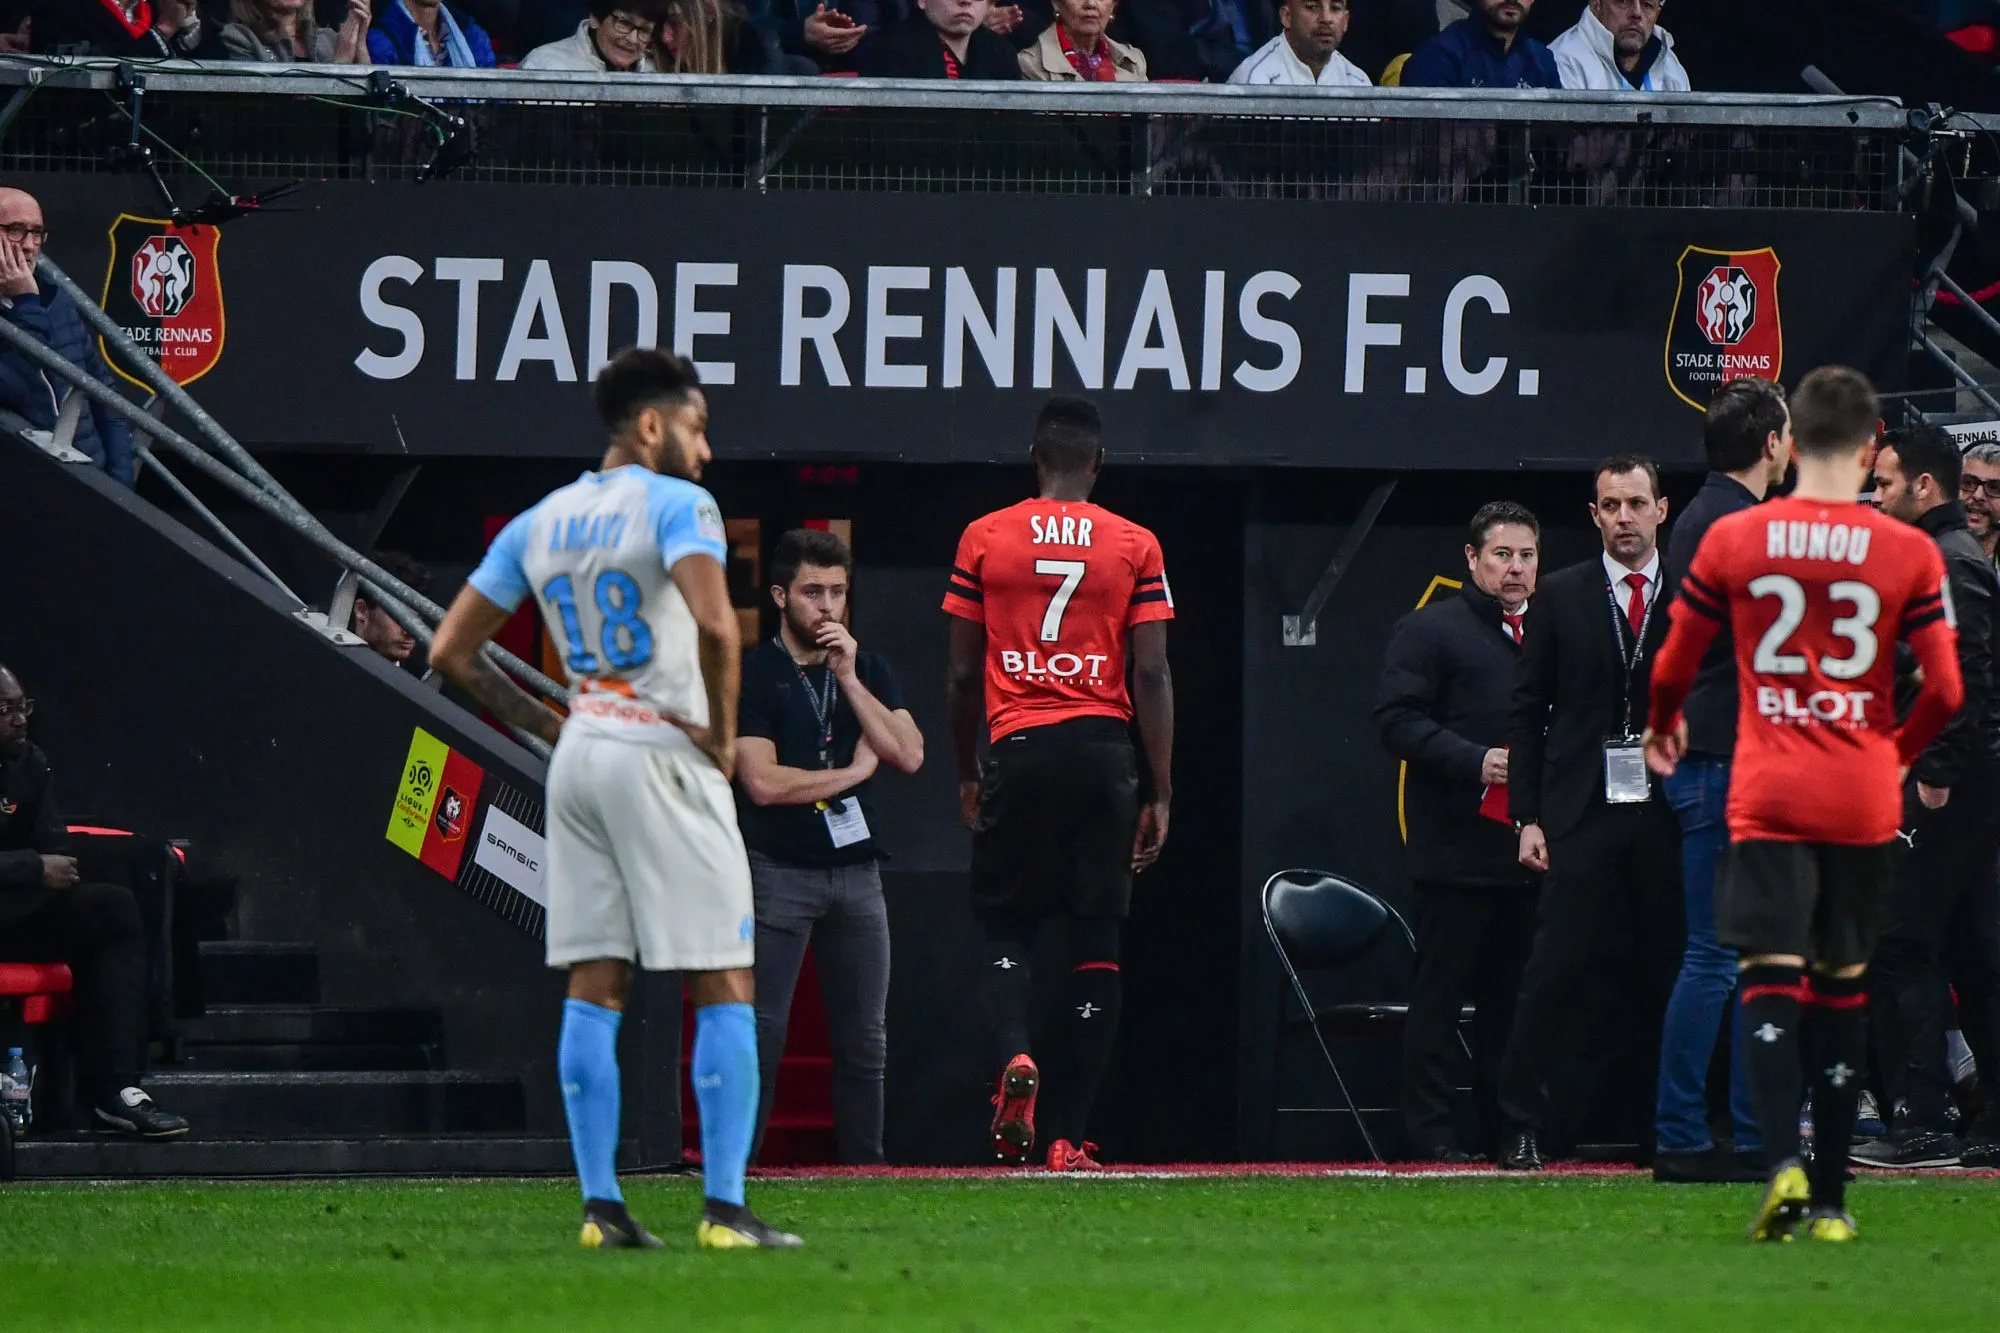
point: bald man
(51, 318)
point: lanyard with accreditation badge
(1625, 778)
(845, 823)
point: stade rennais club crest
(1725, 323)
(165, 291)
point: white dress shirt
(1617, 574)
(1276, 63)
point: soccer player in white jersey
(645, 861)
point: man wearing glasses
(46, 916)
(1619, 46)
(1979, 492)
(50, 318)
(617, 37)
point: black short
(1818, 900)
(1058, 808)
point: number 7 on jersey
(1071, 574)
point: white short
(645, 860)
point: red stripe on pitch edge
(1218, 1170)
(1096, 967)
(1750, 993)
(1836, 1001)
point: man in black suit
(1591, 815)
(1443, 708)
(946, 39)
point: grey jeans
(840, 911)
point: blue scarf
(457, 51)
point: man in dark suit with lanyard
(1591, 816)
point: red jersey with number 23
(1057, 583)
(1818, 595)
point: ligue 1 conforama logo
(165, 290)
(1725, 323)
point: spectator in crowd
(947, 39)
(376, 627)
(1943, 916)
(817, 715)
(428, 34)
(617, 36)
(717, 37)
(1979, 492)
(127, 29)
(283, 30)
(47, 916)
(1619, 46)
(1197, 40)
(1747, 438)
(1442, 708)
(1591, 817)
(832, 34)
(1307, 53)
(1075, 48)
(1486, 50)
(51, 319)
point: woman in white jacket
(1619, 46)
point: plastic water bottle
(14, 1090)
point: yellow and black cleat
(607, 1226)
(735, 1227)
(1785, 1200)
(1830, 1224)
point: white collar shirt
(1276, 63)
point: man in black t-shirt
(816, 717)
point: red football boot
(1065, 1156)
(1014, 1110)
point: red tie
(1513, 624)
(1635, 605)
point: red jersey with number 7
(1057, 583)
(1818, 596)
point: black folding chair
(1320, 922)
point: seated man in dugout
(47, 916)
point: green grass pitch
(1020, 1254)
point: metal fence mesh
(244, 140)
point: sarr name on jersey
(1844, 706)
(1065, 666)
(1053, 531)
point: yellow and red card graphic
(434, 804)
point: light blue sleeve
(686, 521)
(502, 577)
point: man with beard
(1619, 46)
(817, 716)
(1979, 492)
(1487, 50)
(1307, 53)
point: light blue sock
(725, 1087)
(587, 1063)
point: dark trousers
(1472, 944)
(95, 929)
(1943, 923)
(1608, 943)
(839, 911)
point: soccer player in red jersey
(1049, 599)
(1818, 590)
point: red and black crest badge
(451, 815)
(165, 291)
(1725, 323)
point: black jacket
(90, 26)
(1566, 698)
(1972, 739)
(1166, 31)
(1447, 683)
(30, 828)
(1711, 703)
(915, 51)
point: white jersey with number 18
(598, 556)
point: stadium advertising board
(462, 319)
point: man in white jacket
(1619, 46)
(1307, 53)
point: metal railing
(245, 125)
(222, 460)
